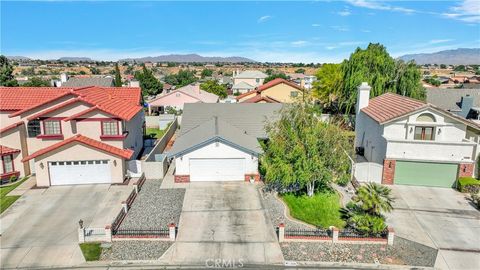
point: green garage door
(425, 174)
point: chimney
(302, 82)
(63, 77)
(467, 104)
(363, 97)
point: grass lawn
(91, 251)
(155, 132)
(6, 201)
(321, 210)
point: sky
(267, 31)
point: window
(426, 117)
(424, 133)
(52, 127)
(257, 80)
(109, 128)
(294, 94)
(33, 128)
(7, 164)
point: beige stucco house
(70, 135)
(275, 91)
(247, 80)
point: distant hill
(75, 59)
(18, 58)
(459, 56)
(188, 58)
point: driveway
(442, 218)
(224, 221)
(40, 229)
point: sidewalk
(24, 187)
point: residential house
(412, 142)
(177, 98)
(70, 135)
(275, 91)
(84, 81)
(460, 101)
(219, 142)
(247, 80)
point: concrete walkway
(23, 187)
(441, 218)
(223, 221)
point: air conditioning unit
(360, 151)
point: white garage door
(79, 172)
(213, 169)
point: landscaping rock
(154, 208)
(403, 252)
(135, 250)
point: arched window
(426, 117)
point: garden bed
(403, 252)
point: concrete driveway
(442, 218)
(40, 229)
(223, 222)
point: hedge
(468, 185)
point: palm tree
(374, 199)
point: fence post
(281, 232)
(125, 207)
(334, 234)
(81, 235)
(391, 236)
(135, 186)
(108, 233)
(171, 231)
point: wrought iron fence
(350, 233)
(161, 233)
(131, 198)
(307, 233)
(141, 181)
(118, 220)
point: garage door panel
(425, 174)
(79, 172)
(210, 169)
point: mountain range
(189, 58)
(461, 56)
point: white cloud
(264, 18)
(366, 31)
(344, 44)
(378, 5)
(340, 28)
(299, 43)
(316, 25)
(467, 11)
(437, 41)
(344, 13)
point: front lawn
(155, 133)
(6, 201)
(321, 210)
(91, 251)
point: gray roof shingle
(450, 99)
(89, 81)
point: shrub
(468, 185)
(475, 198)
(343, 180)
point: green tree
(118, 77)
(443, 66)
(274, 76)
(6, 73)
(214, 87)
(300, 70)
(149, 84)
(328, 86)
(408, 80)
(182, 78)
(460, 68)
(206, 73)
(374, 199)
(37, 82)
(94, 70)
(303, 153)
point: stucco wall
(77, 152)
(281, 92)
(251, 81)
(13, 139)
(176, 99)
(134, 127)
(182, 165)
(368, 134)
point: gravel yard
(135, 250)
(403, 252)
(154, 208)
(275, 211)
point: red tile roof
(14, 125)
(123, 153)
(390, 106)
(259, 98)
(4, 150)
(269, 85)
(122, 102)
